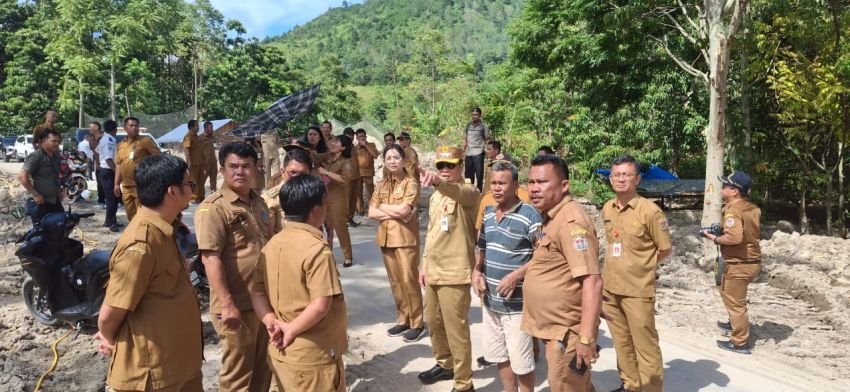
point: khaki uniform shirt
(394, 233)
(291, 280)
(636, 233)
(449, 245)
(355, 166)
(741, 224)
(342, 166)
(365, 162)
(130, 153)
(568, 249)
(161, 336)
(411, 162)
(276, 215)
(196, 146)
(208, 143)
(237, 230)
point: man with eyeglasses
(296, 162)
(638, 240)
(233, 225)
(446, 272)
(150, 323)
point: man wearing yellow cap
(446, 273)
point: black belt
(744, 262)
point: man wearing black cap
(474, 136)
(739, 246)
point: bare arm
(218, 282)
(109, 321)
(24, 179)
(187, 153)
(333, 176)
(591, 303)
(372, 150)
(312, 314)
(398, 211)
(663, 254)
(378, 214)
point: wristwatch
(587, 341)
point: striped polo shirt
(508, 245)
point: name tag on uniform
(444, 224)
(132, 155)
(617, 249)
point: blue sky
(263, 18)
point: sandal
(347, 264)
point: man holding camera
(739, 246)
(638, 240)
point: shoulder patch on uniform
(730, 222)
(580, 243)
(203, 210)
(137, 249)
(579, 233)
(273, 192)
(664, 225)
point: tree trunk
(746, 114)
(112, 91)
(718, 70)
(195, 87)
(127, 102)
(82, 96)
(841, 213)
(828, 205)
(804, 219)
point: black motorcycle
(62, 286)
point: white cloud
(264, 18)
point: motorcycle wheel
(76, 187)
(36, 303)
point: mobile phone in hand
(574, 365)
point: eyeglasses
(445, 165)
(622, 175)
(191, 185)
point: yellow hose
(89, 243)
(55, 360)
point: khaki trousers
(211, 175)
(635, 338)
(561, 377)
(131, 201)
(403, 272)
(244, 355)
(447, 315)
(197, 175)
(271, 155)
(314, 378)
(733, 290)
(354, 196)
(368, 184)
(338, 215)
(196, 384)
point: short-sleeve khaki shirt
(567, 249)
(237, 229)
(128, 155)
(342, 166)
(365, 162)
(209, 148)
(272, 199)
(291, 280)
(196, 148)
(394, 233)
(411, 162)
(741, 224)
(160, 337)
(639, 231)
(450, 242)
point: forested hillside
(371, 38)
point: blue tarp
(176, 135)
(652, 173)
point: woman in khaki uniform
(338, 172)
(394, 206)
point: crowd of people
(530, 252)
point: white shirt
(85, 148)
(106, 150)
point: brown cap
(449, 154)
(290, 147)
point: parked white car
(23, 147)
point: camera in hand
(714, 229)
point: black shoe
(347, 264)
(471, 389)
(398, 330)
(414, 334)
(116, 224)
(484, 363)
(729, 346)
(435, 374)
(115, 228)
(352, 223)
(724, 326)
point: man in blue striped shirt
(505, 246)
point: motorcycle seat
(95, 261)
(81, 309)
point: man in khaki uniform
(193, 150)
(563, 289)
(232, 227)
(739, 246)
(210, 160)
(446, 273)
(355, 179)
(298, 295)
(366, 154)
(411, 163)
(150, 322)
(296, 163)
(129, 152)
(271, 155)
(49, 124)
(638, 239)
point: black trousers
(38, 211)
(101, 197)
(107, 181)
(474, 170)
